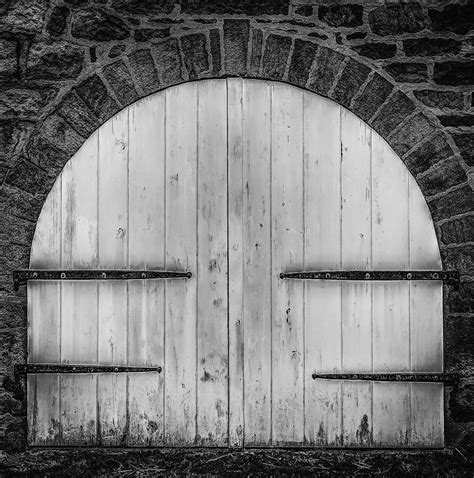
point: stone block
(455, 73)
(236, 39)
(376, 50)
(350, 82)
(347, 15)
(195, 53)
(442, 177)
(396, 18)
(375, 93)
(327, 65)
(121, 82)
(144, 71)
(301, 62)
(455, 202)
(168, 60)
(408, 72)
(97, 24)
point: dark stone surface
(356, 35)
(121, 82)
(351, 80)
(348, 15)
(374, 94)
(458, 201)
(60, 134)
(441, 99)
(195, 54)
(442, 177)
(144, 6)
(460, 258)
(116, 51)
(257, 7)
(77, 114)
(24, 15)
(215, 41)
(393, 113)
(57, 20)
(458, 231)
(465, 143)
(40, 151)
(168, 59)
(457, 120)
(461, 401)
(453, 18)
(455, 73)
(236, 38)
(256, 52)
(458, 341)
(304, 10)
(98, 25)
(408, 72)
(275, 56)
(94, 93)
(144, 71)
(147, 34)
(327, 65)
(393, 18)
(412, 132)
(58, 60)
(431, 46)
(12, 138)
(376, 50)
(428, 154)
(301, 62)
(9, 50)
(321, 36)
(26, 176)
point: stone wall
(406, 68)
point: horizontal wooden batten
(68, 368)
(23, 276)
(449, 277)
(390, 377)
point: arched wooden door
(235, 181)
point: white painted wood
(236, 181)
(287, 255)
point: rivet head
(435, 275)
(328, 275)
(115, 369)
(367, 276)
(35, 275)
(409, 275)
(189, 275)
(143, 275)
(63, 275)
(104, 275)
(159, 369)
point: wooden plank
(357, 421)
(322, 300)
(212, 382)
(43, 298)
(287, 255)
(113, 413)
(252, 194)
(236, 250)
(43, 409)
(78, 409)
(181, 250)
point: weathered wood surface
(236, 181)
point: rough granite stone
(408, 72)
(441, 99)
(8, 58)
(461, 400)
(465, 143)
(304, 10)
(453, 18)
(444, 176)
(356, 35)
(431, 46)
(455, 73)
(94, 93)
(143, 6)
(57, 20)
(195, 53)
(458, 201)
(40, 151)
(98, 25)
(412, 132)
(54, 61)
(374, 94)
(350, 82)
(458, 342)
(396, 18)
(346, 15)
(215, 41)
(327, 65)
(229, 7)
(143, 70)
(393, 113)
(427, 154)
(301, 62)
(457, 120)
(26, 176)
(147, 34)
(236, 39)
(77, 114)
(116, 51)
(460, 258)
(376, 50)
(275, 56)
(121, 82)
(459, 231)
(13, 134)
(168, 60)
(256, 52)
(24, 15)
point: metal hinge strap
(68, 368)
(23, 276)
(389, 377)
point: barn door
(234, 181)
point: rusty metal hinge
(448, 277)
(23, 276)
(390, 377)
(68, 368)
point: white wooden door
(236, 181)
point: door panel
(236, 181)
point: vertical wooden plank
(287, 255)
(252, 193)
(78, 409)
(181, 251)
(236, 248)
(146, 249)
(43, 298)
(212, 383)
(43, 409)
(322, 237)
(356, 317)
